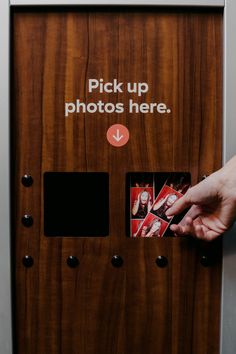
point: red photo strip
(153, 221)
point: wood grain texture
(97, 308)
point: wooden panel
(96, 308)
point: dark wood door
(98, 308)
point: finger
(188, 227)
(183, 230)
(193, 212)
(176, 229)
(198, 231)
(209, 235)
(203, 193)
(181, 204)
(204, 233)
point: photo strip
(166, 198)
(150, 196)
(152, 226)
(141, 201)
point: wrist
(226, 179)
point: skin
(212, 205)
(169, 202)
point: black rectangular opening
(76, 204)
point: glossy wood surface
(96, 308)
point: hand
(149, 205)
(135, 206)
(158, 204)
(213, 205)
(143, 232)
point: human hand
(143, 232)
(213, 205)
(135, 206)
(149, 205)
(159, 203)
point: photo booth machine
(110, 111)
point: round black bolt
(117, 261)
(72, 261)
(27, 261)
(206, 261)
(27, 220)
(27, 180)
(161, 261)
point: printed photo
(141, 200)
(152, 226)
(135, 224)
(166, 198)
(149, 196)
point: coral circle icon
(118, 135)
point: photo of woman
(141, 202)
(150, 197)
(163, 204)
(135, 224)
(152, 226)
(153, 229)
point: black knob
(27, 180)
(27, 261)
(161, 261)
(27, 220)
(117, 261)
(72, 261)
(206, 261)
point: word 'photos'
(150, 195)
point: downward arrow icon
(118, 137)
